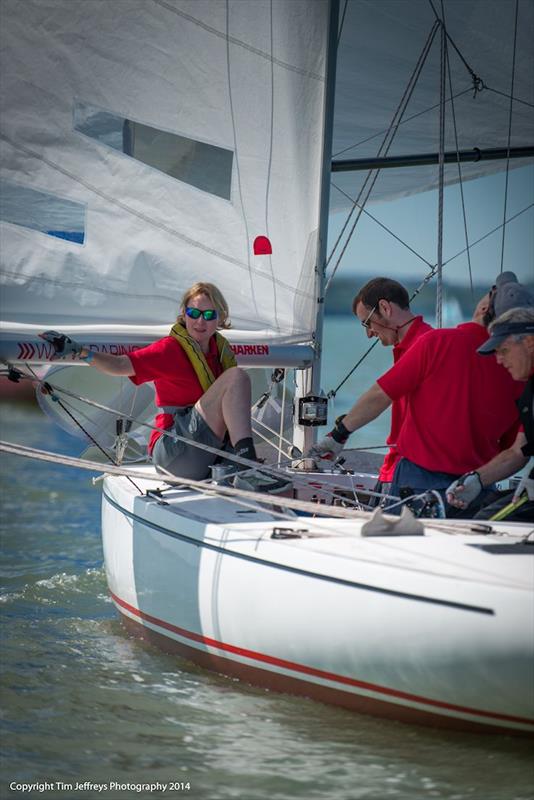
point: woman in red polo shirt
(201, 393)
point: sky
(415, 220)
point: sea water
(89, 712)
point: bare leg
(225, 406)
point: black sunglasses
(209, 314)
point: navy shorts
(180, 458)
(420, 480)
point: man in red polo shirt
(383, 308)
(459, 408)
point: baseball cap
(509, 293)
(501, 331)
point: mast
(308, 382)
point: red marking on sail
(262, 246)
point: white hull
(431, 629)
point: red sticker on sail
(262, 246)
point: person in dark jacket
(512, 342)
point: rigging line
(404, 122)
(228, 491)
(342, 22)
(372, 175)
(384, 146)
(441, 168)
(448, 260)
(317, 509)
(280, 452)
(282, 411)
(460, 181)
(395, 121)
(388, 230)
(273, 433)
(298, 480)
(509, 134)
(86, 432)
(509, 97)
(248, 463)
(333, 392)
(476, 79)
(497, 228)
(207, 490)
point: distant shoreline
(343, 290)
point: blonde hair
(215, 296)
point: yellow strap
(507, 510)
(197, 357)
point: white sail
(146, 144)
(165, 136)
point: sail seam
(210, 250)
(240, 42)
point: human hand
(326, 448)
(64, 346)
(464, 490)
(526, 484)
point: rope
(489, 233)
(241, 496)
(384, 227)
(215, 489)
(226, 455)
(509, 135)
(441, 172)
(460, 181)
(56, 399)
(372, 175)
(342, 22)
(404, 122)
(478, 84)
(509, 96)
(427, 279)
(333, 392)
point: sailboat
(149, 144)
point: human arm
(367, 408)
(66, 348)
(463, 491)
(108, 363)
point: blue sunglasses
(209, 314)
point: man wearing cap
(512, 341)
(459, 407)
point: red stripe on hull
(291, 685)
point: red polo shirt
(459, 406)
(398, 411)
(175, 381)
